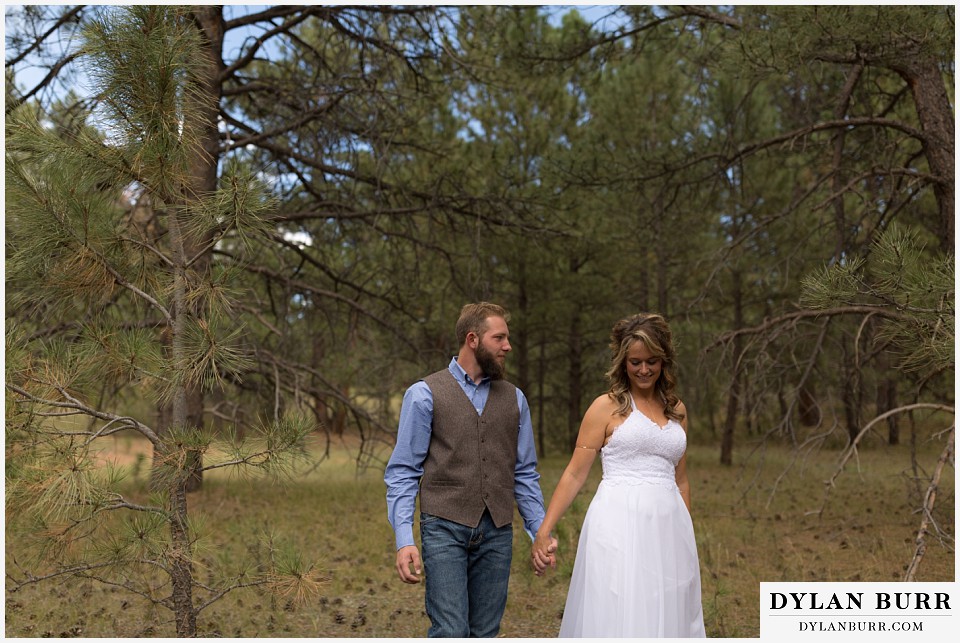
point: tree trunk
(642, 271)
(730, 423)
(541, 395)
(203, 171)
(177, 468)
(575, 377)
(520, 329)
(887, 399)
(181, 563)
(320, 407)
(733, 401)
(807, 404)
(186, 408)
(202, 180)
(893, 423)
(849, 388)
(935, 114)
(839, 112)
(659, 246)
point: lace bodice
(641, 452)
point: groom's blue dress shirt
(405, 467)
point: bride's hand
(543, 553)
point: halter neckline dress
(636, 572)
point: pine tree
(99, 223)
(912, 292)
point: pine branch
(123, 283)
(712, 16)
(130, 587)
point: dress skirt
(636, 572)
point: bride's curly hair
(653, 331)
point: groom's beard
(488, 363)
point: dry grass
(337, 517)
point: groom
(465, 443)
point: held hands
(407, 556)
(543, 554)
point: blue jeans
(467, 570)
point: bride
(636, 572)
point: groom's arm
(526, 487)
(403, 473)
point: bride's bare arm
(589, 441)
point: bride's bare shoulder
(604, 403)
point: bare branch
(280, 11)
(788, 318)
(305, 287)
(62, 20)
(128, 586)
(852, 449)
(260, 317)
(124, 283)
(30, 579)
(73, 403)
(843, 123)
(288, 24)
(928, 502)
(284, 128)
(223, 592)
(63, 62)
(712, 16)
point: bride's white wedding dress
(636, 573)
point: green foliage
(379, 166)
(276, 449)
(212, 352)
(912, 291)
(150, 114)
(786, 37)
(291, 577)
(236, 211)
(105, 235)
(61, 225)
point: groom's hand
(406, 557)
(544, 558)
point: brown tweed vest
(471, 459)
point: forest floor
(753, 523)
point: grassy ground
(336, 516)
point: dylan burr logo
(868, 609)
